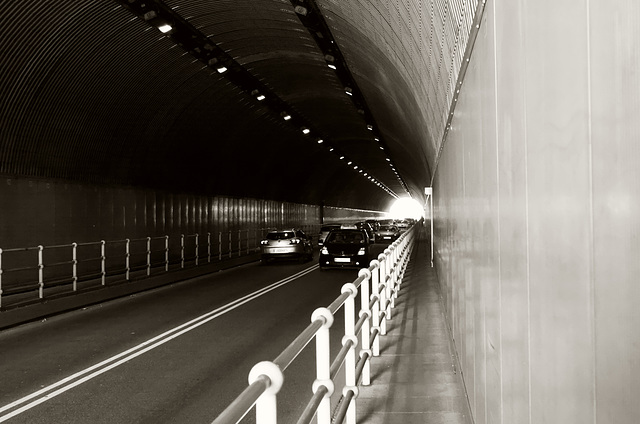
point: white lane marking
(138, 350)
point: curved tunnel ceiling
(93, 90)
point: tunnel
(516, 120)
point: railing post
(390, 268)
(393, 270)
(365, 348)
(266, 405)
(350, 360)
(127, 255)
(181, 250)
(384, 262)
(230, 244)
(208, 247)
(323, 364)
(40, 272)
(148, 255)
(103, 258)
(166, 253)
(220, 245)
(239, 242)
(74, 266)
(197, 249)
(375, 312)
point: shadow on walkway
(415, 379)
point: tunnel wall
(41, 211)
(538, 215)
(332, 214)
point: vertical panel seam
(495, 94)
(591, 296)
(526, 200)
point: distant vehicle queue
(342, 245)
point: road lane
(188, 379)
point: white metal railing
(31, 272)
(378, 285)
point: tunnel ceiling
(93, 90)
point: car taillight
(324, 251)
(263, 242)
(295, 241)
(362, 251)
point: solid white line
(140, 349)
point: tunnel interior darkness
(314, 102)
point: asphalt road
(178, 354)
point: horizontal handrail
(382, 279)
(293, 350)
(245, 401)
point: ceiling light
(260, 97)
(332, 66)
(320, 141)
(306, 130)
(150, 15)
(222, 69)
(348, 90)
(165, 28)
(370, 127)
(285, 116)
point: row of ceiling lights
(216, 58)
(312, 18)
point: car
(387, 233)
(324, 232)
(363, 225)
(374, 224)
(346, 247)
(286, 244)
(403, 225)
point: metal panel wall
(47, 212)
(538, 214)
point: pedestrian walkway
(416, 378)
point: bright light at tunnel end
(406, 207)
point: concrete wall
(538, 214)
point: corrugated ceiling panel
(424, 40)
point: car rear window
(280, 235)
(329, 227)
(345, 237)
